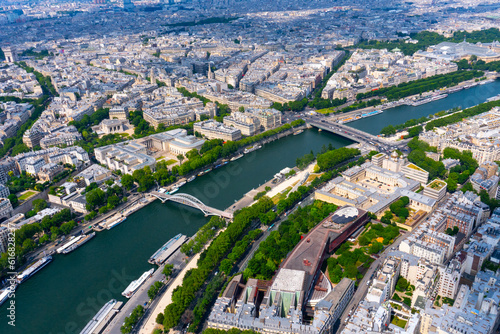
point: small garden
(27, 194)
(376, 234)
(346, 262)
(404, 291)
(399, 322)
(399, 211)
(440, 301)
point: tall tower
(127, 4)
(10, 54)
(152, 77)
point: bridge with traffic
(353, 134)
(193, 202)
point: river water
(463, 99)
(65, 295)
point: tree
(334, 157)
(375, 247)
(241, 109)
(39, 204)
(13, 200)
(453, 231)
(28, 245)
(67, 227)
(144, 177)
(44, 238)
(351, 270)
(131, 320)
(113, 201)
(180, 157)
(90, 187)
(363, 240)
(336, 274)
(127, 181)
(402, 284)
(187, 247)
(388, 130)
(54, 232)
(160, 318)
(451, 184)
(90, 216)
(167, 270)
(95, 198)
(387, 217)
(154, 289)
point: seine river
(463, 99)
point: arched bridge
(193, 202)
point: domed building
(395, 162)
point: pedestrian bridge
(193, 202)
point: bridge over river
(353, 134)
(193, 202)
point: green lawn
(26, 195)
(325, 111)
(276, 198)
(158, 159)
(399, 322)
(170, 162)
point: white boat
(181, 184)
(471, 85)
(298, 132)
(33, 268)
(72, 240)
(134, 285)
(493, 98)
(372, 113)
(116, 222)
(484, 82)
(173, 191)
(165, 251)
(192, 178)
(252, 148)
(429, 99)
(5, 293)
(82, 240)
(236, 157)
(99, 317)
(455, 89)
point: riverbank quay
(51, 247)
(178, 260)
(140, 201)
(150, 323)
(463, 99)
